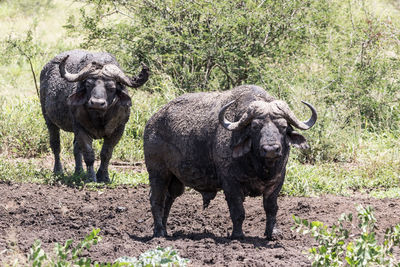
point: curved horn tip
(230, 103)
(144, 66)
(64, 59)
(310, 123)
(223, 121)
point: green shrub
(199, 43)
(339, 245)
(64, 255)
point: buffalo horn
(83, 74)
(299, 124)
(115, 72)
(232, 126)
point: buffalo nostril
(271, 151)
(97, 103)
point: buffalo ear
(124, 98)
(77, 98)
(297, 140)
(241, 148)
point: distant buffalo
(190, 142)
(84, 93)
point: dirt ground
(57, 213)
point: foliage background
(340, 55)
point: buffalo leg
(54, 133)
(78, 158)
(175, 189)
(158, 192)
(85, 145)
(271, 209)
(235, 199)
(106, 154)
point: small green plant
(68, 255)
(338, 246)
(64, 255)
(156, 257)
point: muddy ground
(57, 213)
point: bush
(339, 245)
(198, 43)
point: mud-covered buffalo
(237, 140)
(85, 93)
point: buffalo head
(267, 129)
(100, 86)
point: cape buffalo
(236, 140)
(84, 93)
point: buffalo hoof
(91, 175)
(237, 236)
(79, 171)
(58, 170)
(102, 177)
(274, 235)
(159, 233)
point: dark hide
(185, 145)
(96, 107)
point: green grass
(30, 171)
(374, 169)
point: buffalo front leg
(235, 198)
(270, 202)
(106, 154)
(84, 142)
(78, 158)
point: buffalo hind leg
(175, 189)
(158, 192)
(54, 133)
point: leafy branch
(337, 245)
(27, 49)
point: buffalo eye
(89, 83)
(281, 124)
(256, 125)
(282, 128)
(111, 86)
